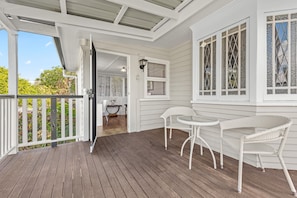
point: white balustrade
(7, 143)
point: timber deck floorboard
(133, 165)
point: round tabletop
(198, 120)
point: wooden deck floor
(131, 165)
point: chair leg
(240, 166)
(261, 163)
(170, 134)
(288, 177)
(165, 137)
(221, 154)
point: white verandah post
(13, 85)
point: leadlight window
(207, 66)
(282, 54)
(234, 61)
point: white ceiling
(159, 23)
(111, 63)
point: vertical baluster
(54, 121)
(70, 118)
(34, 120)
(77, 120)
(44, 116)
(9, 109)
(25, 122)
(1, 127)
(6, 126)
(63, 117)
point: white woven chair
(267, 129)
(170, 121)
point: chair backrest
(179, 110)
(271, 128)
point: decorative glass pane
(156, 70)
(207, 68)
(294, 53)
(281, 54)
(214, 65)
(269, 18)
(281, 17)
(224, 51)
(269, 55)
(233, 61)
(243, 60)
(156, 88)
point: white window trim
(275, 97)
(196, 69)
(166, 79)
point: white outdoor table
(196, 122)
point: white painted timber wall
(181, 75)
(180, 88)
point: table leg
(192, 145)
(190, 136)
(213, 157)
(182, 148)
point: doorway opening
(112, 93)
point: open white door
(93, 98)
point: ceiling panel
(100, 10)
(51, 5)
(143, 20)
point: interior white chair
(104, 111)
(267, 129)
(170, 121)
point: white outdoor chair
(267, 129)
(104, 111)
(170, 121)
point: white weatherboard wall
(181, 75)
(254, 12)
(180, 88)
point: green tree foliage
(3, 80)
(50, 82)
(24, 86)
(55, 82)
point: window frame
(219, 58)
(274, 96)
(157, 79)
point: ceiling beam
(63, 6)
(75, 21)
(187, 11)
(148, 7)
(120, 14)
(6, 23)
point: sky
(36, 53)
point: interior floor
(115, 125)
